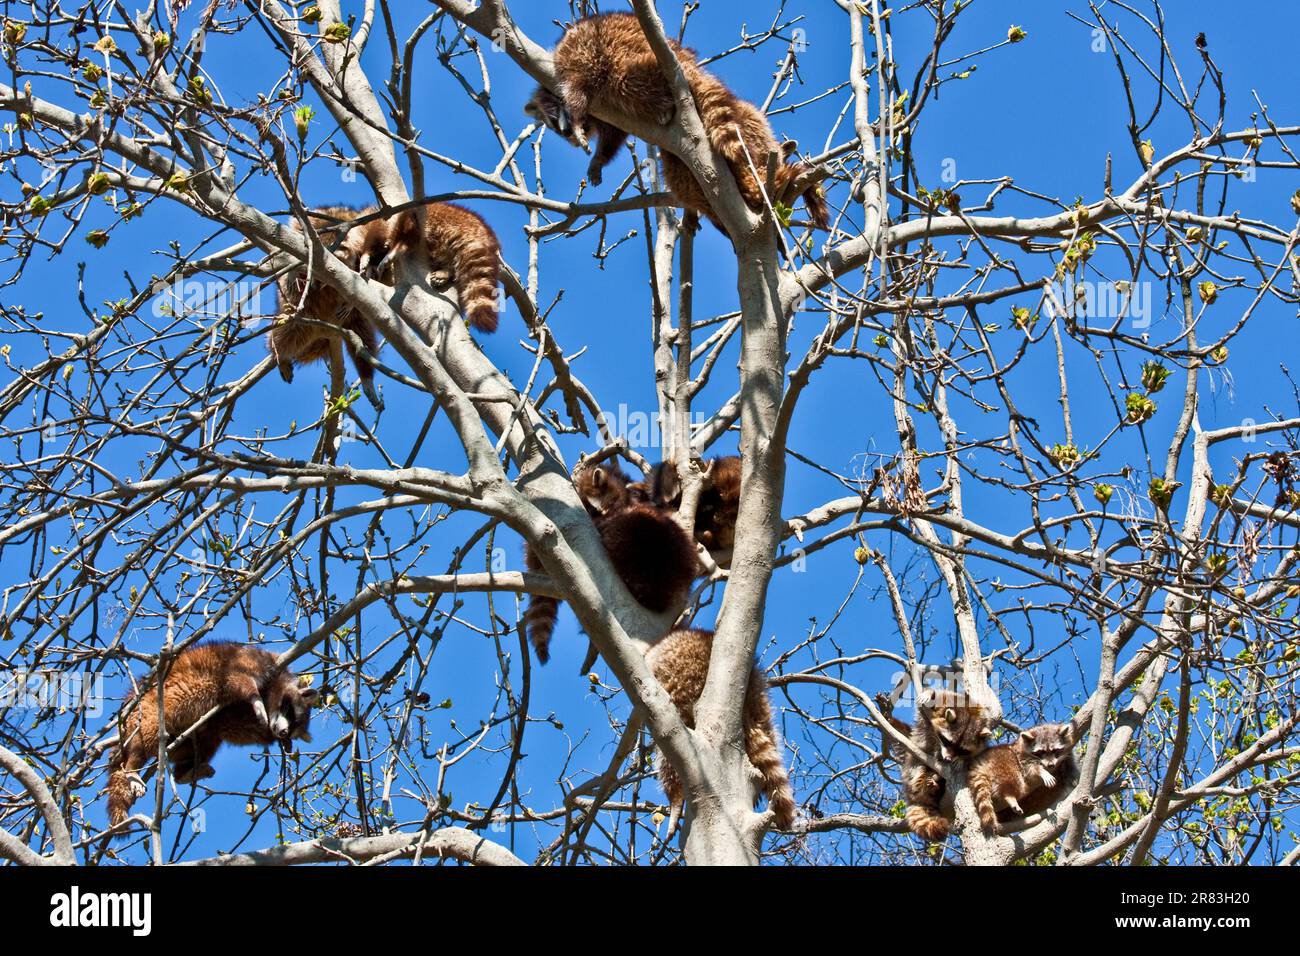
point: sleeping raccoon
(651, 554)
(949, 728)
(1003, 778)
(719, 505)
(261, 704)
(458, 245)
(605, 60)
(293, 342)
(680, 662)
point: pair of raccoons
(257, 702)
(1006, 781)
(601, 62)
(657, 561)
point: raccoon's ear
(310, 695)
(789, 148)
(949, 714)
(599, 478)
(1027, 737)
(986, 732)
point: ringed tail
(764, 751)
(927, 824)
(982, 790)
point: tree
(147, 506)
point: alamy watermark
(44, 690)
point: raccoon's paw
(665, 116)
(136, 786)
(286, 371)
(594, 175)
(580, 138)
(440, 278)
(1049, 781)
(1014, 806)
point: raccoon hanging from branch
(311, 315)
(259, 702)
(651, 554)
(680, 662)
(457, 245)
(605, 61)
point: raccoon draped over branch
(456, 243)
(650, 552)
(680, 662)
(948, 728)
(259, 702)
(605, 61)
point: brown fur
(651, 554)
(1002, 778)
(310, 335)
(458, 244)
(605, 61)
(601, 487)
(261, 704)
(680, 662)
(719, 504)
(948, 728)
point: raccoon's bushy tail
(981, 789)
(478, 274)
(927, 823)
(121, 787)
(814, 198)
(120, 797)
(763, 747)
(540, 616)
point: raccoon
(1039, 762)
(293, 342)
(460, 246)
(260, 704)
(719, 504)
(651, 554)
(606, 60)
(948, 727)
(680, 662)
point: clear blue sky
(1045, 112)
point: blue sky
(1046, 112)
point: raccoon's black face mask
(293, 720)
(548, 109)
